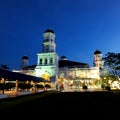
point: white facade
(47, 60)
(48, 68)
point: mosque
(59, 70)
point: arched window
(47, 40)
(45, 60)
(51, 60)
(40, 61)
(47, 48)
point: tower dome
(49, 30)
(97, 52)
(63, 58)
(25, 57)
(24, 61)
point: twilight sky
(81, 27)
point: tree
(2, 87)
(39, 86)
(112, 62)
(24, 86)
(4, 67)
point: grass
(104, 98)
(95, 105)
(12, 101)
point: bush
(39, 86)
(85, 87)
(47, 86)
(108, 87)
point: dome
(25, 57)
(63, 58)
(97, 52)
(49, 30)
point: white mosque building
(59, 71)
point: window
(47, 40)
(40, 61)
(47, 48)
(45, 60)
(51, 60)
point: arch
(46, 76)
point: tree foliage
(4, 66)
(112, 63)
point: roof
(32, 67)
(63, 63)
(19, 76)
(68, 63)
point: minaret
(98, 62)
(49, 41)
(47, 60)
(24, 61)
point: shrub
(84, 87)
(107, 87)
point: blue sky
(81, 27)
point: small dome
(25, 57)
(63, 58)
(97, 52)
(49, 30)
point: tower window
(47, 48)
(40, 61)
(45, 60)
(51, 60)
(47, 40)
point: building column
(16, 87)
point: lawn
(103, 104)
(8, 102)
